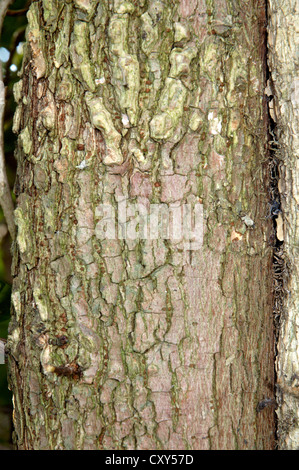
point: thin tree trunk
(142, 344)
(283, 64)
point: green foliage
(5, 294)
(12, 24)
(13, 34)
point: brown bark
(123, 344)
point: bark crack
(279, 267)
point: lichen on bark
(163, 348)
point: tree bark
(283, 64)
(142, 344)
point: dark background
(13, 36)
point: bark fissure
(274, 211)
(282, 92)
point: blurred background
(11, 46)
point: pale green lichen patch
(40, 300)
(157, 9)
(122, 7)
(102, 120)
(51, 14)
(35, 37)
(26, 141)
(209, 58)
(46, 360)
(61, 43)
(170, 110)
(50, 207)
(118, 34)
(234, 121)
(86, 5)
(181, 32)
(48, 113)
(196, 119)
(18, 91)
(80, 51)
(24, 234)
(220, 144)
(125, 67)
(237, 78)
(65, 88)
(17, 119)
(149, 34)
(180, 60)
(127, 94)
(16, 301)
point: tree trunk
(145, 343)
(283, 64)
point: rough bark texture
(283, 64)
(142, 344)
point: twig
(17, 12)
(2, 350)
(5, 195)
(4, 4)
(17, 35)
